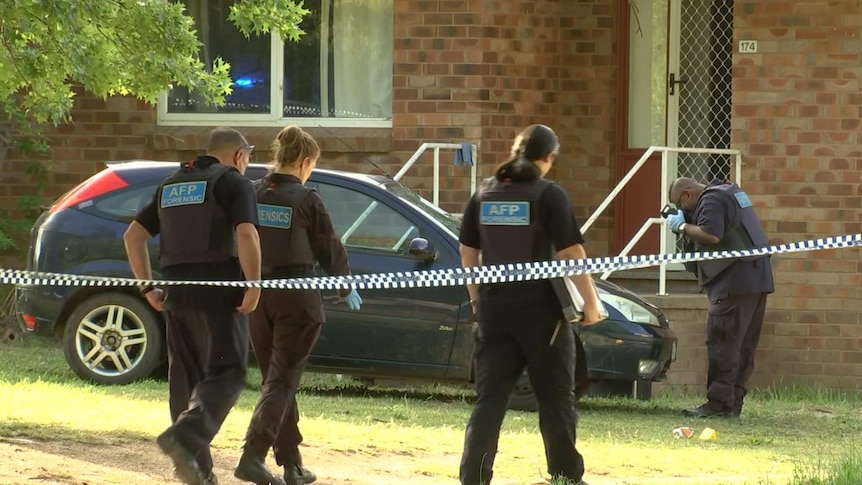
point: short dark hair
(224, 138)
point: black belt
(291, 271)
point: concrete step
(645, 281)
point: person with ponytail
(517, 216)
(295, 233)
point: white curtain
(362, 58)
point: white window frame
(274, 117)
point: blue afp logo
(507, 213)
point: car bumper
(629, 356)
(39, 307)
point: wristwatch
(682, 228)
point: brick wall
(114, 129)
(796, 117)
(481, 71)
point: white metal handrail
(410, 162)
(664, 242)
(635, 239)
(437, 146)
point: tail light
(102, 183)
(29, 321)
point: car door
(407, 331)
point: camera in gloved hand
(675, 219)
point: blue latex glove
(354, 301)
(676, 220)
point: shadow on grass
(464, 394)
(427, 392)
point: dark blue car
(110, 335)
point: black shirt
(235, 194)
(528, 298)
(555, 215)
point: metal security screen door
(699, 85)
(699, 88)
(678, 94)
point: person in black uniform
(517, 216)
(723, 219)
(296, 232)
(206, 215)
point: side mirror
(422, 250)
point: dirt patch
(137, 462)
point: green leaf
(129, 47)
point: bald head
(684, 192)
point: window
(363, 222)
(124, 204)
(338, 74)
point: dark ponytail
(536, 142)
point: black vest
(745, 232)
(194, 227)
(509, 224)
(284, 237)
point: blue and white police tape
(443, 277)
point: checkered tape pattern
(503, 273)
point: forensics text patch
(274, 216)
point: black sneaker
(185, 465)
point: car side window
(363, 222)
(123, 205)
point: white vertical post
(473, 169)
(737, 168)
(436, 200)
(663, 239)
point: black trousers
(284, 329)
(733, 332)
(503, 349)
(207, 358)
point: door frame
(624, 154)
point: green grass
(792, 436)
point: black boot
(298, 475)
(252, 468)
(185, 464)
(709, 409)
(211, 479)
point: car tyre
(113, 338)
